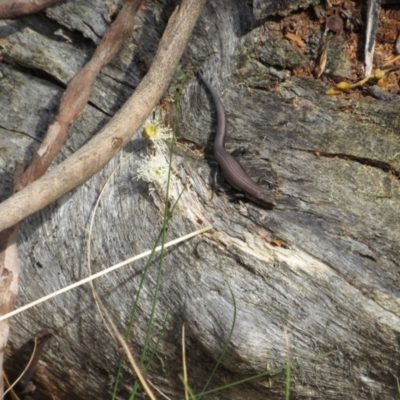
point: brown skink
(232, 170)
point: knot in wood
(116, 142)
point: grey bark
(330, 286)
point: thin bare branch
(72, 104)
(15, 8)
(9, 277)
(39, 341)
(109, 141)
(78, 92)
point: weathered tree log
(317, 274)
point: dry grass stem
(185, 376)
(104, 272)
(128, 353)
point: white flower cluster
(154, 168)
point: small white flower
(153, 169)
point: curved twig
(78, 92)
(16, 8)
(83, 164)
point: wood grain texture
(333, 285)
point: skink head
(264, 198)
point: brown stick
(15, 8)
(77, 93)
(72, 104)
(9, 275)
(108, 142)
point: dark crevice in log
(384, 166)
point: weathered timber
(317, 274)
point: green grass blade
(288, 372)
(167, 216)
(227, 342)
(263, 374)
(132, 316)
